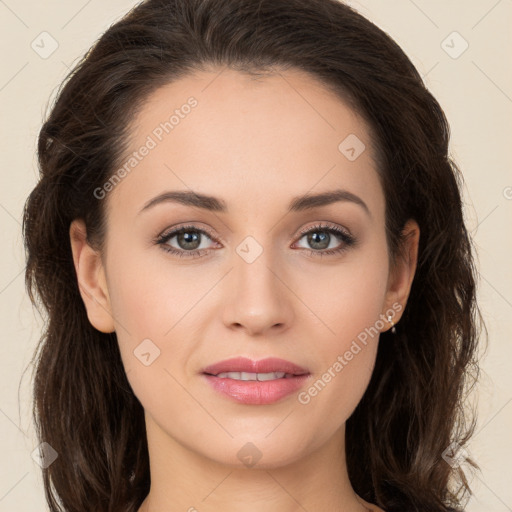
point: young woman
(249, 240)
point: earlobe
(91, 278)
(402, 274)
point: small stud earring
(390, 320)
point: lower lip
(255, 392)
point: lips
(251, 382)
(243, 364)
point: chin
(258, 453)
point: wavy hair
(414, 407)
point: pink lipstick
(256, 382)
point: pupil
(185, 239)
(315, 239)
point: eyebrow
(297, 204)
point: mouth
(256, 382)
(246, 376)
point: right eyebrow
(188, 199)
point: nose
(258, 298)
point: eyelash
(347, 239)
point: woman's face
(263, 276)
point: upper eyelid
(327, 226)
(174, 230)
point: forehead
(227, 134)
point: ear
(91, 278)
(402, 274)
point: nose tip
(255, 324)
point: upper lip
(243, 364)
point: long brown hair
(413, 408)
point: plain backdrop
(463, 50)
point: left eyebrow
(309, 201)
(297, 204)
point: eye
(322, 237)
(189, 241)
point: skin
(255, 144)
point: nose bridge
(257, 299)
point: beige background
(475, 90)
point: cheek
(149, 295)
(346, 298)
(348, 302)
(152, 303)
(151, 314)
